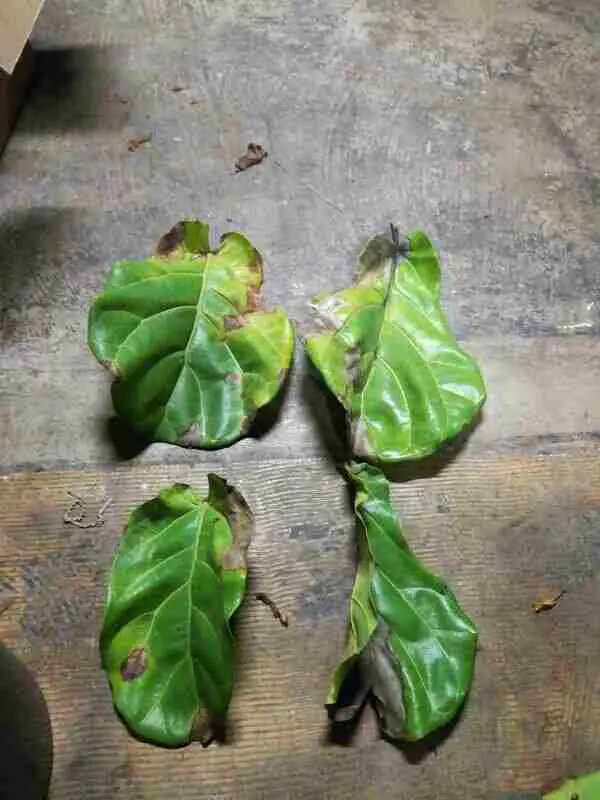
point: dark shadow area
(345, 715)
(415, 752)
(74, 89)
(432, 465)
(30, 243)
(25, 733)
(126, 442)
(328, 414)
(266, 417)
(205, 733)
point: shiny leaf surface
(415, 644)
(193, 353)
(386, 351)
(166, 644)
(586, 787)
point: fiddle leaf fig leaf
(586, 787)
(414, 644)
(193, 353)
(386, 352)
(166, 643)
(362, 621)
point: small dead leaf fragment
(177, 87)
(546, 602)
(254, 154)
(264, 598)
(137, 141)
(134, 665)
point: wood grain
(474, 120)
(502, 530)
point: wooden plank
(541, 391)
(473, 120)
(501, 529)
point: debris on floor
(547, 602)
(264, 598)
(78, 515)
(255, 153)
(137, 141)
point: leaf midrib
(188, 582)
(186, 365)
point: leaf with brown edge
(386, 351)
(194, 354)
(166, 643)
(412, 642)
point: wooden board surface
(503, 531)
(476, 120)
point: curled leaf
(193, 353)
(414, 644)
(388, 355)
(166, 643)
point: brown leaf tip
(255, 153)
(134, 665)
(171, 240)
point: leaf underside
(414, 644)
(386, 352)
(193, 353)
(166, 643)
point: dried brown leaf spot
(134, 665)
(171, 240)
(193, 437)
(234, 322)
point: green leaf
(193, 353)
(166, 644)
(586, 787)
(415, 644)
(363, 621)
(388, 355)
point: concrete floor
(476, 120)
